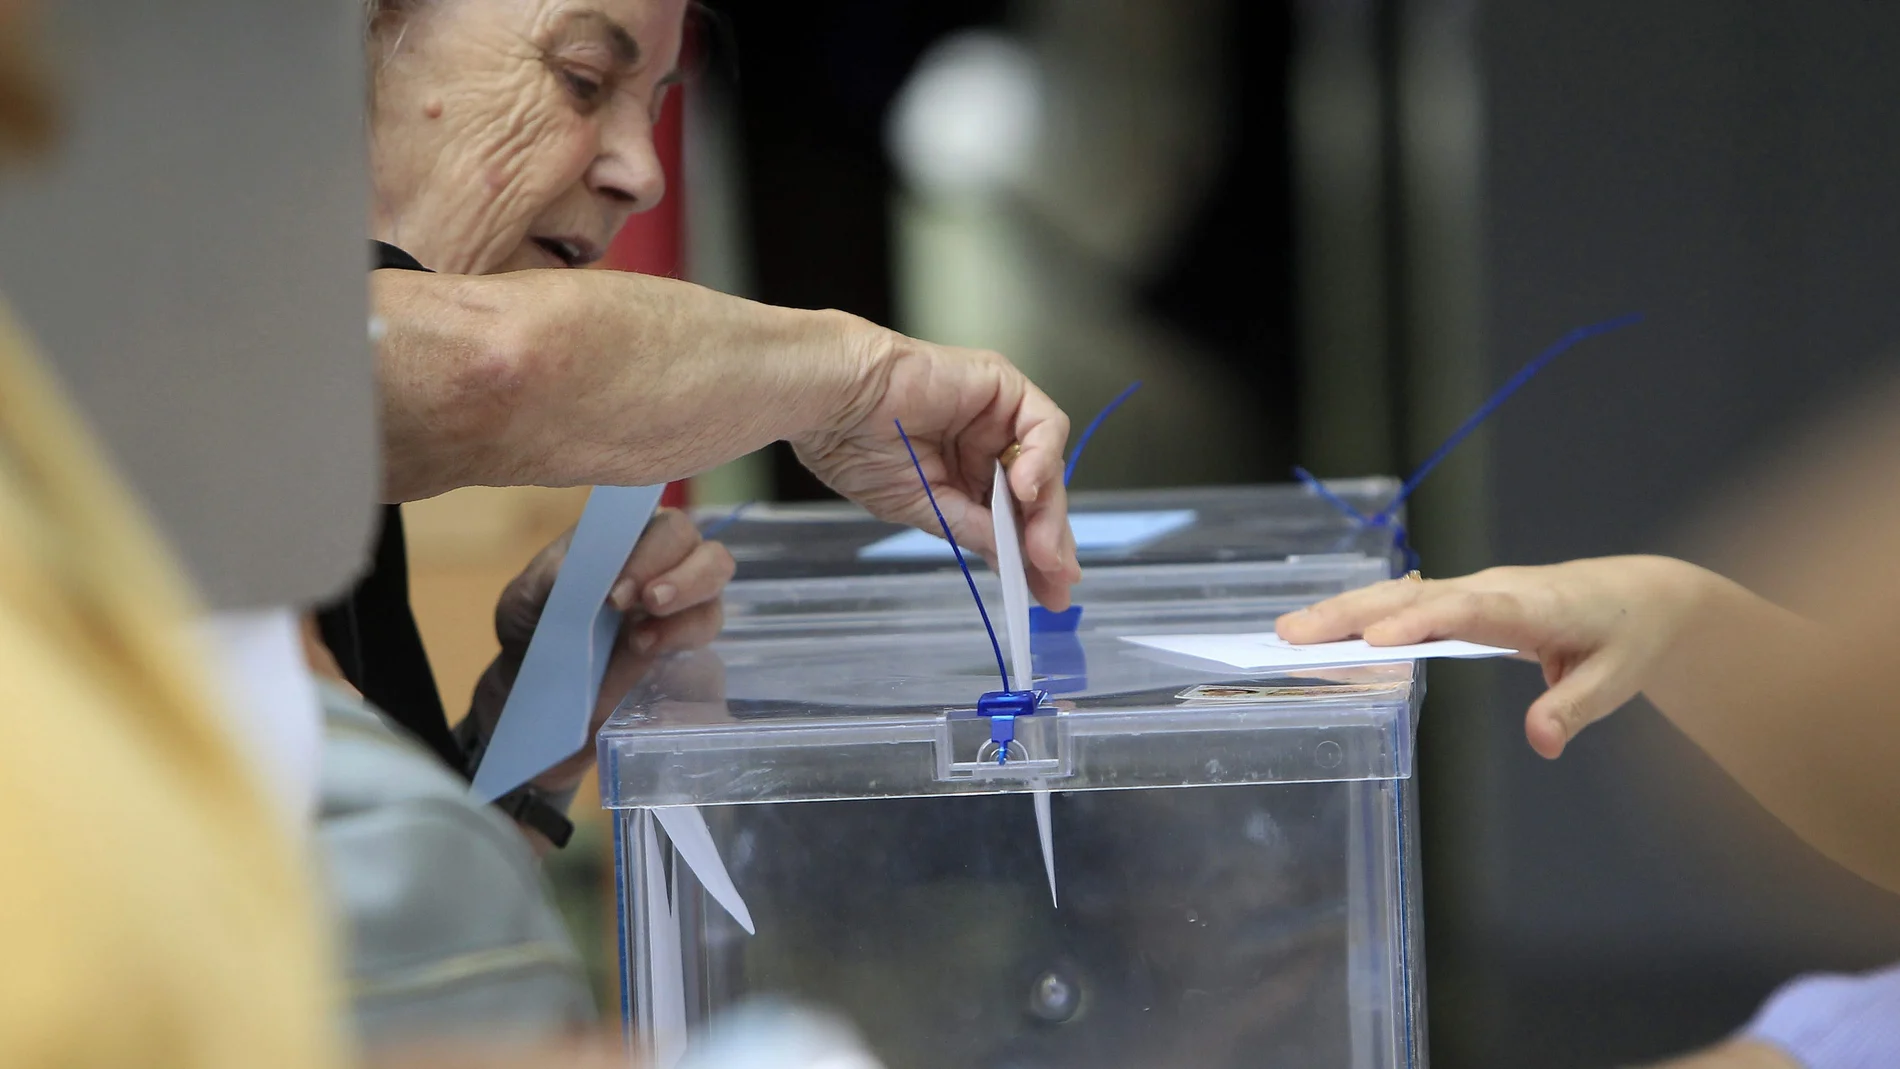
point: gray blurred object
(451, 929)
(192, 261)
(1045, 175)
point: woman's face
(510, 134)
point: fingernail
(1034, 491)
(622, 595)
(643, 641)
(661, 595)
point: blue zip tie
(996, 646)
(1331, 498)
(727, 520)
(1388, 516)
(1088, 432)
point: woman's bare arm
(576, 377)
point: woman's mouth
(568, 251)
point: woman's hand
(962, 409)
(669, 591)
(1598, 627)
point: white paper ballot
(1095, 532)
(1264, 651)
(693, 840)
(1045, 831)
(1009, 568)
(666, 963)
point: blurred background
(1320, 232)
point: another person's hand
(1596, 626)
(669, 591)
(963, 409)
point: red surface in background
(654, 241)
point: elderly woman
(510, 140)
(510, 135)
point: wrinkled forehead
(642, 34)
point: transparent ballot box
(1176, 866)
(1171, 526)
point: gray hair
(376, 15)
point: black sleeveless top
(372, 631)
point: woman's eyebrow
(625, 48)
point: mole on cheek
(433, 109)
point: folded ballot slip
(1264, 651)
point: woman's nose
(628, 171)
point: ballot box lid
(1165, 526)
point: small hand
(1596, 627)
(669, 591)
(962, 409)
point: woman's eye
(586, 88)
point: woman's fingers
(1035, 480)
(667, 541)
(518, 609)
(1586, 694)
(688, 629)
(1049, 547)
(1400, 612)
(697, 579)
(1042, 429)
(1456, 612)
(1024, 428)
(1349, 614)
